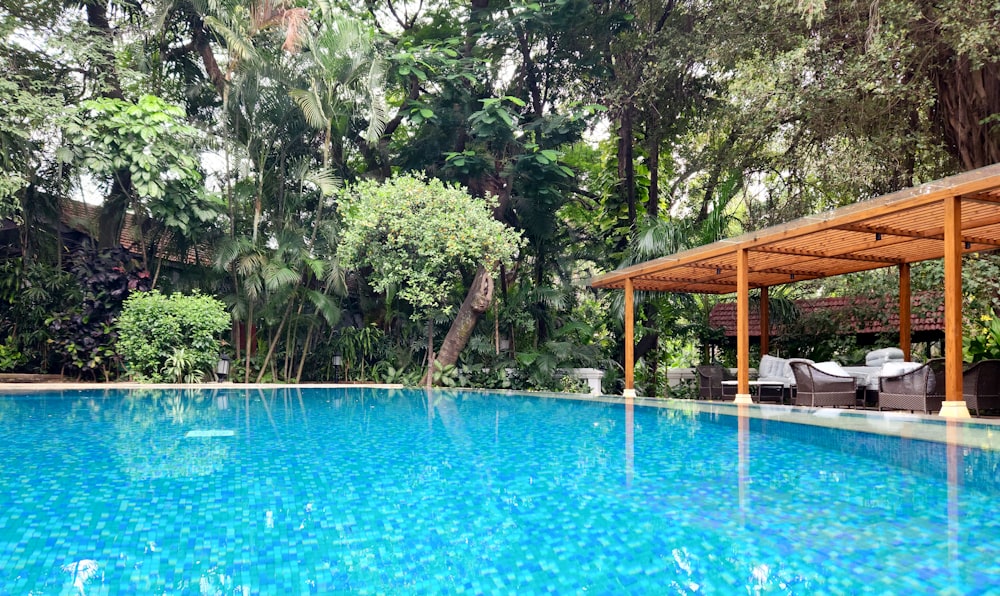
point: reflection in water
(743, 450)
(955, 464)
(629, 440)
(149, 434)
(82, 572)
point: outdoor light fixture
(878, 236)
(791, 276)
(337, 362)
(222, 368)
(968, 245)
(718, 270)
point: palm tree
(344, 82)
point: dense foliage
(418, 236)
(83, 335)
(171, 338)
(603, 133)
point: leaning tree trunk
(477, 301)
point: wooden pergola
(942, 219)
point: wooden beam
(980, 197)
(953, 298)
(629, 336)
(936, 233)
(695, 280)
(713, 266)
(816, 254)
(904, 311)
(782, 270)
(765, 321)
(742, 326)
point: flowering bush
(984, 343)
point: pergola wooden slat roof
(903, 227)
(941, 219)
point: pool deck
(981, 433)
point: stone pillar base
(954, 409)
(743, 398)
(629, 393)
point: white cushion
(892, 369)
(883, 355)
(832, 368)
(778, 370)
(769, 367)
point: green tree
(148, 143)
(419, 237)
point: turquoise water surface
(318, 491)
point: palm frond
(378, 112)
(325, 180)
(278, 278)
(311, 105)
(658, 237)
(325, 306)
(336, 278)
(239, 47)
(251, 264)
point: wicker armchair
(815, 387)
(981, 386)
(710, 378)
(919, 389)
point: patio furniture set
(886, 382)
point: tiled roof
(83, 217)
(926, 314)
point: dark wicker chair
(920, 389)
(981, 386)
(814, 387)
(710, 378)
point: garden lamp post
(222, 368)
(337, 362)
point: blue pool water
(301, 491)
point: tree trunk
(97, 19)
(653, 204)
(477, 302)
(626, 162)
(112, 214)
(112, 217)
(966, 97)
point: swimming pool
(302, 491)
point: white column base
(743, 398)
(955, 409)
(629, 393)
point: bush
(172, 338)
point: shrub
(171, 338)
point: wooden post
(954, 405)
(629, 339)
(742, 327)
(904, 310)
(765, 322)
